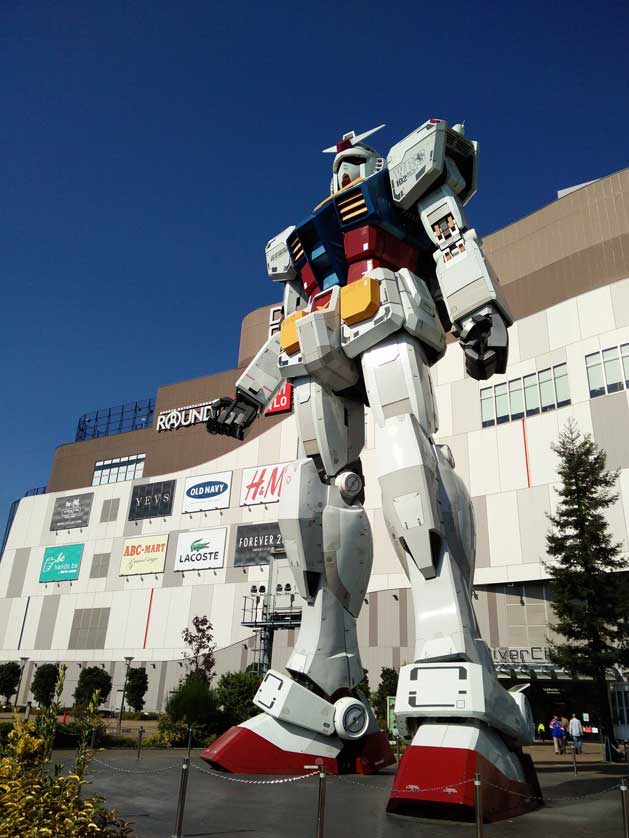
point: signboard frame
(253, 554)
(208, 502)
(215, 539)
(72, 512)
(74, 566)
(129, 560)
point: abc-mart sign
(204, 492)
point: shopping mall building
(147, 520)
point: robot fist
(485, 342)
(231, 417)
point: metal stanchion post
(321, 807)
(623, 800)
(478, 806)
(397, 747)
(140, 735)
(189, 739)
(181, 803)
(93, 739)
(574, 759)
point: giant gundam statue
(374, 278)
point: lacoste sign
(201, 549)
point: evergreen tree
(589, 600)
(44, 682)
(92, 678)
(9, 679)
(137, 685)
(387, 687)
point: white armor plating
(389, 349)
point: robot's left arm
(471, 291)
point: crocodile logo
(199, 544)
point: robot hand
(232, 417)
(485, 342)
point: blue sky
(150, 149)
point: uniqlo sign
(262, 484)
(283, 402)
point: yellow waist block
(360, 300)
(289, 339)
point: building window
(621, 699)
(118, 469)
(541, 391)
(608, 370)
(109, 511)
(100, 566)
(89, 628)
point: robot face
(353, 163)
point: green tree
(195, 703)
(387, 686)
(364, 684)
(92, 678)
(137, 685)
(43, 684)
(235, 692)
(590, 604)
(9, 679)
(199, 656)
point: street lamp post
(19, 683)
(126, 675)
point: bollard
(478, 806)
(181, 803)
(93, 739)
(189, 739)
(140, 735)
(574, 759)
(397, 748)
(321, 806)
(623, 800)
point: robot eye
(353, 161)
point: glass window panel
(613, 375)
(96, 479)
(98, 463)
(531, 394)
(561, 384)
(547, 390)
(104, 477)
(502, 403)
(139, 469)
(487, 407)
(624, 351)
(516, 398)
(596, 381)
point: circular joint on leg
(351, 718)
(349, 485)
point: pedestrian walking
(558, 734)
(575, 728)
(541, 731)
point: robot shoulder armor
(418, 161)
(279, 263)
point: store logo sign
(201, 550)
(61, 564)
(145, 554)
(72, 511)
(183, 417)
(207, 491)
(262, 484)
(152, 500)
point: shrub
(37, 802)
(235, 692)
(43, 684)
(196, 704)
(137, 685)
(9, 679)
(5, 730)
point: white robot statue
(373, 280)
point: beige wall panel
(541, 431)
(620, 302)
(595, 312)
(504, 529)
(610, 421)
(533, 505)
(533, 336)
(511, 456)
(483, 558)
(443, 397)
(484, 467)
(466, 414)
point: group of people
(559, 730)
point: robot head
(354, 159)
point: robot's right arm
(261, 380)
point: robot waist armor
(343, 322)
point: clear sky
(150, 149)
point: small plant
(37, 802)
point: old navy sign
(262, 484)
(207, 491)
(183, 417)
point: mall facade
(148, 521)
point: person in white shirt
(575, 729)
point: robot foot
(435, 777)
(264, 745)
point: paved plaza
(146, 792)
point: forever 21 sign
(152, 500)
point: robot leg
(316, 710)
(455, 716)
